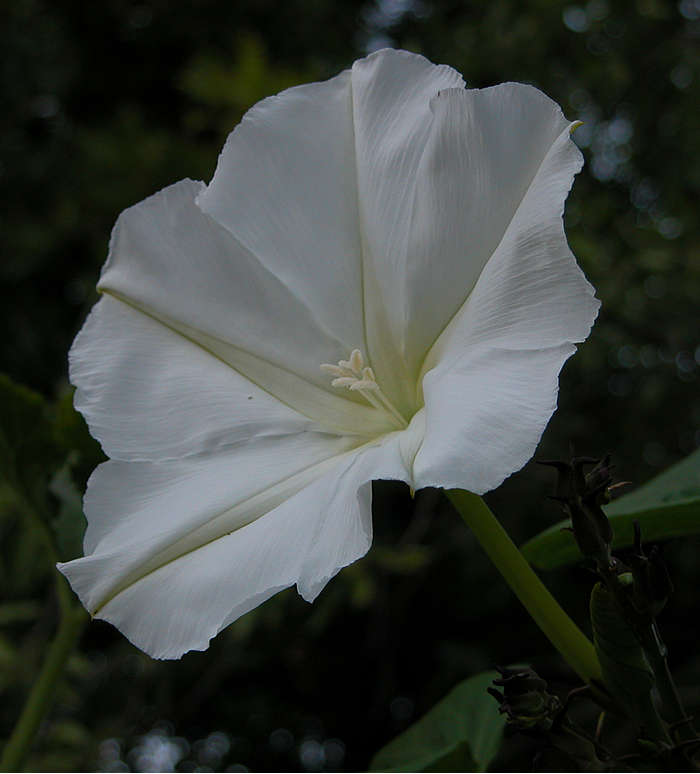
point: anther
(344, 381)
(357, 377)
(356, 360)
(333, 370)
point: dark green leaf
(626, 670)
(462, 732)
(667, 506)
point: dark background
(103, 104)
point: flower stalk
(73, 620)
(561, 631)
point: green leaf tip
(462, 732)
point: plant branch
(562, 632)
(73, 620)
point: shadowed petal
(485, 150)
(171, 591)
(181, 269)
(490, 380)
(285, 187)
(531, 294)
(292, 176)
(485, 416)
(148, 393)
(392, 118)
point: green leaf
(462, 732)
(667, 506)
(626, 670)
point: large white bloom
(389, 223)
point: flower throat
(354, 375)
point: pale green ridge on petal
(483, 152)
(158, 512)
(173, 261)
(148, 393)
(391, 93)
(301, 530)
(285, 187)
(180, 267)
(485, 416)
(331, 411)
(196, 492)
(163, 517)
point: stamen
(356, 360)
(344, 381)
(332, 370)
(354, 375)
(362, 384)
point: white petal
(148, 393)
(486, 152)
(531, 294)
(285, 187)
(199, 493)
(289, 181)
(491, 380)
(180, 267)
(391, 102)
(486, 414)
(142, 515)
(177, 569)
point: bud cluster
(525, 699)
(582, 496)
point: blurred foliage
(460, 733)
(104, 103)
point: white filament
(354, 375)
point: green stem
(645, 630)
(562, 632)
(671, 704)
(73, 619)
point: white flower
(375, 284)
